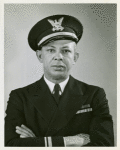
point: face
(58, 57)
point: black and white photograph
(60, 75)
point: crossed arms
(18, 134)
(78, 140)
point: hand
(86, 138)
(77, 140)
(24, 131)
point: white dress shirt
(51, 85)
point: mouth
(58, 67)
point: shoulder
(27, 89)
(86, 85)
(88, 88)
(96, 95)
(22, 96)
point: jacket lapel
(42, 100)
(71, 101)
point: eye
(66, 51)
(50, 50)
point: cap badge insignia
(56, 24)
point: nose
(58, 56)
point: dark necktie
(56, 92)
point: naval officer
(58, 110)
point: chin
(58, 76)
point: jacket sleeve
(15, 117)
(101, 126)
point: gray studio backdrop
(97, 48)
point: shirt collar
(63, 84)
(51, 84)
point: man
(58, 110)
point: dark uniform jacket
(82, 108)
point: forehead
(61, 43)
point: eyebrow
(51, 46)
(55, 47)
(65, 47)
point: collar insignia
(56, 24)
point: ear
(39, 55)
(76, 56)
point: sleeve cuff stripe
(64, 141)
(49, 141)
(45, 141)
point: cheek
(69, 61)
(46, 62)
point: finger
(22, 136)
(83, 135)
(22, 131)
(73, 141)
(26, 128)
(86, 138)
(23, 126)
